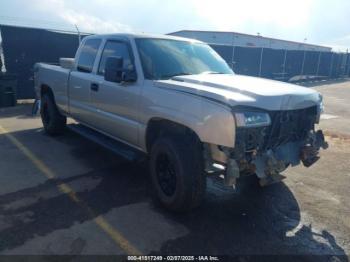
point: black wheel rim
(45, 114)
(166, 174)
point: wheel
(54, 123)
(177, 173)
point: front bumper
(268, 165)
(267, 151)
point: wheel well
(160, 127)
(45, 89)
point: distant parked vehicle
(178, 102)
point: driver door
(117, 103)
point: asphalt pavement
(67, 195)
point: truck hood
(235, 90)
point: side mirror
(114, 69)
(115, 72)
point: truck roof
(141, 35)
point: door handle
(94, 87)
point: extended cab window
(115, 48)
(88, 55)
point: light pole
(78, 33)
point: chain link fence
(23, 47)
(285, 65)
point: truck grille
(286, 126)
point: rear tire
(54, 123)
(177, 173)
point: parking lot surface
(67, 195)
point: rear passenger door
(117, 103)
(80, 82)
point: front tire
(54, 123)
(177, 173)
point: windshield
(164, 58)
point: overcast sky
(325, 22)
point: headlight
(252, 119)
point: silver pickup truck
(177, 102)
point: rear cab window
(88, 55)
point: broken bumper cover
(278, 160)
(309, 153)
(268, 165)
(269, 150)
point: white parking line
(111, 231)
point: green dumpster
(8, 87)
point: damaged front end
(271, 142)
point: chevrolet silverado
(176, 101)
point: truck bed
(56, 77)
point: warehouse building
(245, 40)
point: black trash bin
(8, 88)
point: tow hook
(309, 153)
